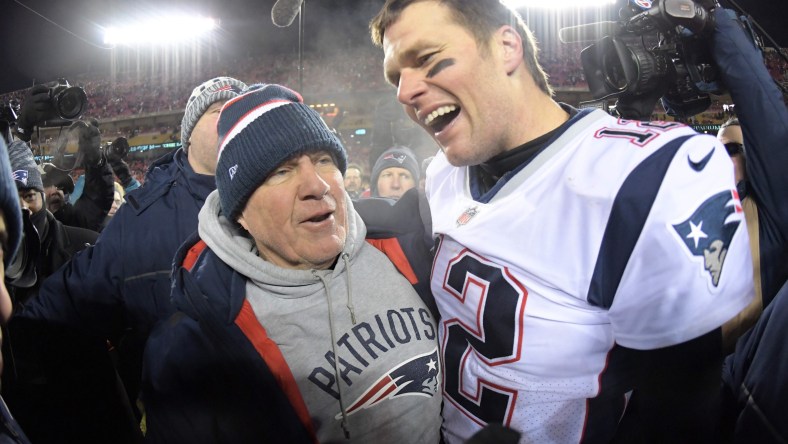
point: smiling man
(569, 260)
(292, 328)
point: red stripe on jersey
(269, 351)
(391, 248)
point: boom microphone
(285, 11)
(590, 32)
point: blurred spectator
(353, 177)
(395, 172)
(117, 201)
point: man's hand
(89, 144)
(35, 110)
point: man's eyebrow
(409, 54)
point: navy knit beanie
(9, 203)
(397, 156)
(258, 131)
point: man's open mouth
(438, 119)
(320, 217)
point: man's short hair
(481, 18)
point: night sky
(35, 49)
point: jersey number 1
(495, 337)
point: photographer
(94, 202)
(38, 109)
(116, 154)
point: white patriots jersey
(618, 232)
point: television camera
(656, 51)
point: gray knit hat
(9, 204)
(214, 90)
(398, 156)
(25, 171)
(265, 126)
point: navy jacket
(756, 375)
(764, 123)
(119, 288)
(233, 397)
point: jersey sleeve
(690, 269)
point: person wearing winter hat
(395, 172)
(292, 327)
(121, 289)
(198, 132)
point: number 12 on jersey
(482, 329)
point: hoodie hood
(235, 247)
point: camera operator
(756, 384)
(94, 202)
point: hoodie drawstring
(349, 305)
(345, 424)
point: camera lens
(613, 70)
(71, 102)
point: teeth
(438, 112)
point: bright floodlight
(160, 31)
(558, 4)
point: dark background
(67, 40)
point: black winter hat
(258, 130)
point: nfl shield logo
(467, 215)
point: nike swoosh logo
(701, 164)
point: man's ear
(243, 223)
(512, 47)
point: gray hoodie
(381, 333)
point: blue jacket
(119, 288)
(219, 401)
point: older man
(291, 327)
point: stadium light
(160, 31)
(559, 4)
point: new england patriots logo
(21, 177)
(400, 158)
(708, 232)
(415, 377)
